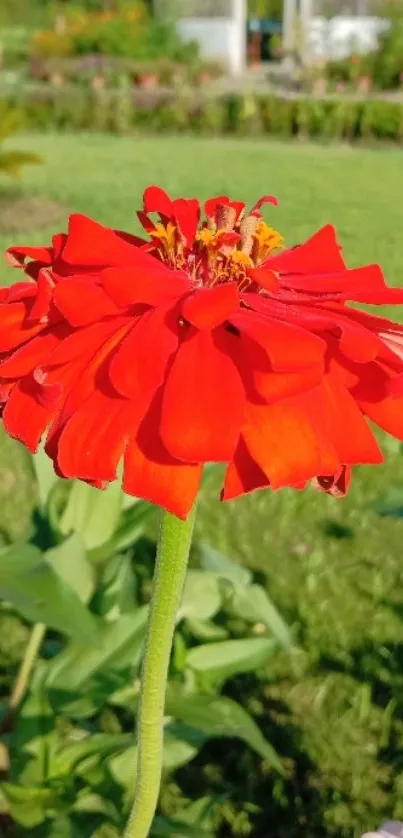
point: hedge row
(125, 110)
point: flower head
(206, 341)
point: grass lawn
(334, 568)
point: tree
(272, 9)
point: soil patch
(28, 214)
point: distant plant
(128, 32)
(383, 66)
(265, 9)
(11, 161)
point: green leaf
(177, 752)
(225, 568)
(92, 513)
(31, 585)
(34, 735)
(164, 827)
(206, 630)
(116, 593)
(45, 475)
(119, 645)
(102, 744)
(28, 806)
(63, 827)
(95, 804)
(92, 771)
(201, 596)
(69, 560)
(104, 831)
(254, 605)
(199, 812)
(132, 526)
(123, 768)
(221, 660)
(179, 652)
(221, 717)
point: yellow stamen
(167, 234)
(266, 240)
(241, 258)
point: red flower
(204, 343)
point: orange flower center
(222, 252)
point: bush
(84, 583)
(93, 69)
(382, 68)
(12, 161)
(126, 33)
(124, 109)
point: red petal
(203, 402)
(81, 302)
(26, 415)
(319, 255)
(140, 361)
(264, 277)
(151, 473)
(16, 256)
(243, 475)
(289, 348)
(267, 199)
(155, 285)
(88, 370)
(83, 344)
(58, 242)
(387, 414)
(356, 342)
(210, 207)
(6, 388)
(339, 418)
(156, 199)
(13, 326)
(90, 447)
(350, 282)
(283, 442)
(187, 215)
(90, 244)
(274, 386)
(40, 308)
(209, 307)
(145, 222)
(20, 292)
(25, 359)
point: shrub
(124, 108)
(383, 68)
(89, 70)
(126, 33)
(12, 161)
(84, 583)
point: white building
(220, 28)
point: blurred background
(286, 685)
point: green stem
(170, 572)
(31, 653)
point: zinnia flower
(205, 342)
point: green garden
(318, 752)
(284, 704)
